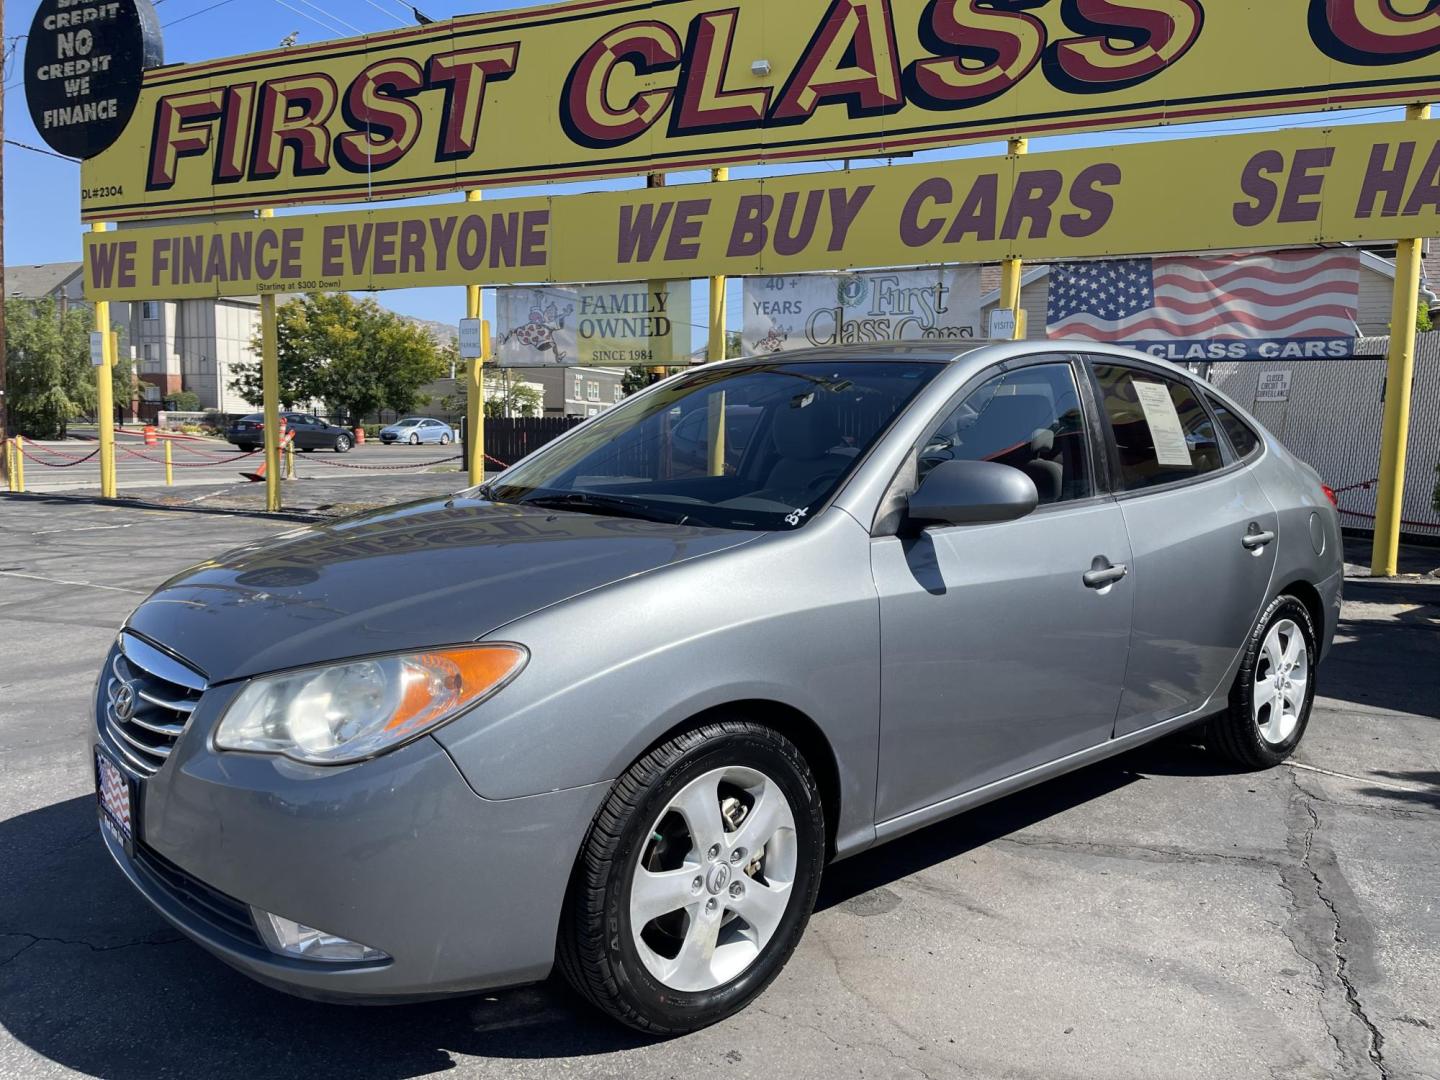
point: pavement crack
(1318, 933)
(32, 940)
(1144, 852)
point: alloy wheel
(1282, 676)
(715, 879)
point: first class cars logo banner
(620, 87)
(940, 303)
(1301, 187)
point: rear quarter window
(1243, 438)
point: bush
(372, 431)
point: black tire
(1234, 734)
(246, 448)
(444, 440)
(596, 951)
(307, 449)
(342, 444)
(414, 440)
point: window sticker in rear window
(1171, 448)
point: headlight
(347, 712)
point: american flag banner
(1281, 305)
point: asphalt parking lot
(1155, 916)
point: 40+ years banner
(940, 303)
(589, 88)
(1293, 188)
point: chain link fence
(1333, 418)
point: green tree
(504, 396)
(351, 354)
(51, 380)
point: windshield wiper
(611, 505)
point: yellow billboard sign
(591, 88)
(1297, 187)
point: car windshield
(748, 446)
(407, 423)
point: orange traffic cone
(259, 474)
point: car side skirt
(918, 819)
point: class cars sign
(618, 87)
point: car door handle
(1254, 541)
(1103, 574)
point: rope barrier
(54, 465)
(58, 453)
(383, 468)
(187, 464)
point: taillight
(1330, 494)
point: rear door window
(1162, 430)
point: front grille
(148, 699)
(221, 911)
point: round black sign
(83, 67)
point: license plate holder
(115, 796)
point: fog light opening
(290, 938)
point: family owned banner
(645, 323)
(935, 304)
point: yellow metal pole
(105, 393)
(290, 459)
(1011, 270)
(270, 394)
(1395, 434)
(19, 473)
(475, 386)
(719, 340)
(169, 467)
(10, 464)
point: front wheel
(1271, 699)
(342, 444)
(696, 880)
(414, 440)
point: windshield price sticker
(1165, 429)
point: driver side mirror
(972, 493)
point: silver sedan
(618, 709)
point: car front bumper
(399, 853)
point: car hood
(407, 577)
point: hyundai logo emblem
(124, 703)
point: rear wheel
(697, 879)
(1273, 693)
(444, 440)
(342, 444)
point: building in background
(176, 345)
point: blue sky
(41, 193)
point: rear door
(1202, 538)
(1003, 646)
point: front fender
(792, 619)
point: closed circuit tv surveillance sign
(84, 63)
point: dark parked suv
(311, 433)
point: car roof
(953, 352)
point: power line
(385, 11)
(41, 150)
(298, 11)
(195, 14)
(336, 18)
